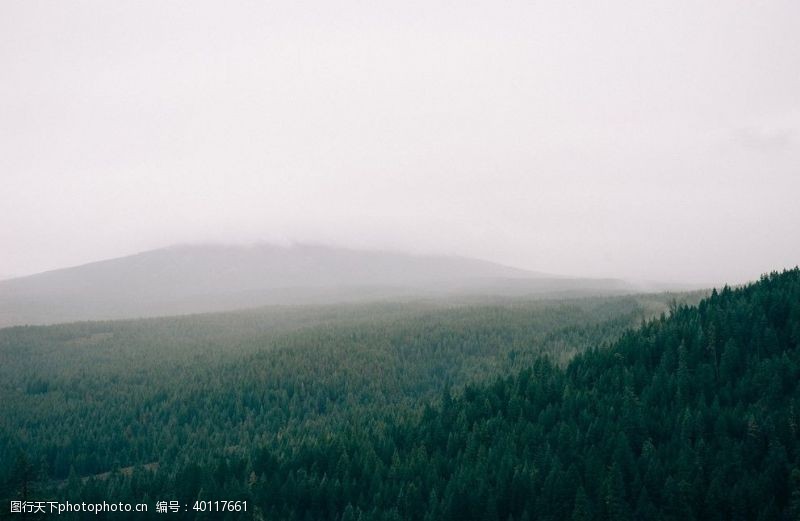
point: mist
(656, 141)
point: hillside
(422, 411)
(193, 279)
(523, 410)
(693, 416)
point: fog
(642, 140)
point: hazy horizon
(643, 141)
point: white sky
(655, 140)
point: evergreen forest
(665, 407)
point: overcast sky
(649, 140)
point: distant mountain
(201, 278)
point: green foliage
(427, 413)
(648, 429)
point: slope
(693, 416)
(192, 279)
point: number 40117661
(220, 506)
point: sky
(644, 140)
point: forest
(618, 408)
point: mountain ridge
(190, 278)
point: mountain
(201, 278)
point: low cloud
(765, 139)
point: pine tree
(582, 510)
(617, 508)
